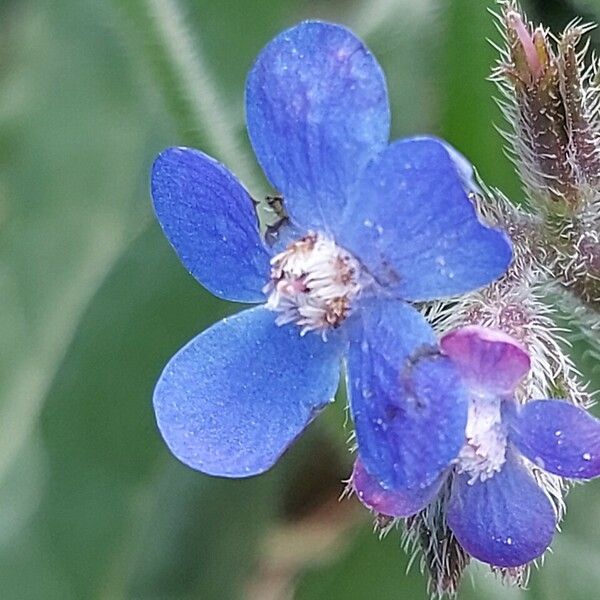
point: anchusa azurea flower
(372, 227)
(496, 510)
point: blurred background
(93, 302)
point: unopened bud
(556, 138)
(530, 55)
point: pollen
(314, 283)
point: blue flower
(372, 227)
(497, 511)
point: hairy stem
(186, 83)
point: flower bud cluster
(551, 102)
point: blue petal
(559, 437)
(231, 401)
(506, 521)
(317, 112)
(392, 503)
(210, 220)
(414, 227)
(407, 401)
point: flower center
(485, 450)
(313, 284)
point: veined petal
(210, 220)
(317, 112)
(505, 521)
(403, 503)
(234, 398)
(407, 401)
(488, 359)
(412, 224)
(559, 437)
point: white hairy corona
(313, 284)
(485, 450)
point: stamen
(485, 450)
(313, 284)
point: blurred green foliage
(93, 301)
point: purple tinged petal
(506, 521)
(407, 401)
(559, 437)
(489, 360)
(317, 112)
(412, 224)
(234, 398)
(389, 502)
(210, 220)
